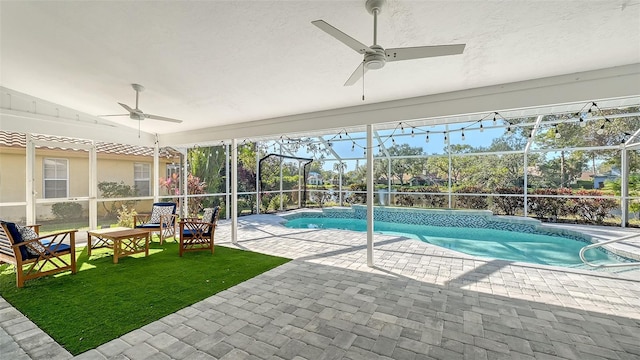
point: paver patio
(419, 302)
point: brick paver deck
(419, 302)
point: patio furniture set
(34, 256)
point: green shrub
(112, 189)
(548, 205)
(67, 210)
(591, 210)
(469, 201)
(433, 201)
(125, 217)
(357, 198)
(508, 205)
(274, 204)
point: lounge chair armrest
(56, 239)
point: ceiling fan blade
(342, 37)
(129, 109)
(162, 118)
(357, 74)
(420, 52)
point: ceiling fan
(375, 56)
(137, 114)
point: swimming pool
(530, 246)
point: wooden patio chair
(162, 220)
(198, 234)
(34, 256)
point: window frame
(147, 179)
(45, 179)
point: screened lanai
(534, 121)
(575, 162)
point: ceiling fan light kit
(375, 56)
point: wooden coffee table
(123, 241)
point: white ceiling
(214, 63)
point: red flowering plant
(171, 186)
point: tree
(400, 166)
(209, 164)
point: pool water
(498, 244)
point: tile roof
(19, 140)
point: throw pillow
(28, 233)
(160, 211)
(208, 215)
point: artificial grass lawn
(104, 300)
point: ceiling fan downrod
(374, 7)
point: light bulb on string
(427, 138)
(494, 118)
(401, 128)
(445, 136)
(413, 134)
(481, 128)
(462, 136)
(601, 130)
(558, 135)
(353, 146)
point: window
(172, 169)
(56, 178)
(142, 179)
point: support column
(30, 195)
(227, 182)
(447, 142)
(93, 187)
(624, 187)
(257, 169)
(370, 196)
(342, 166)
(525, 185)
(154, 173)
(234, 191)
(281, 197)
(184, 184)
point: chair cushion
(17, 238)
(28, 233)
(58, 248)
(160, 209)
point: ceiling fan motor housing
(375, 60)
(136, 116)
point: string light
(557, 132)
(589, 109)
(601, 130)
